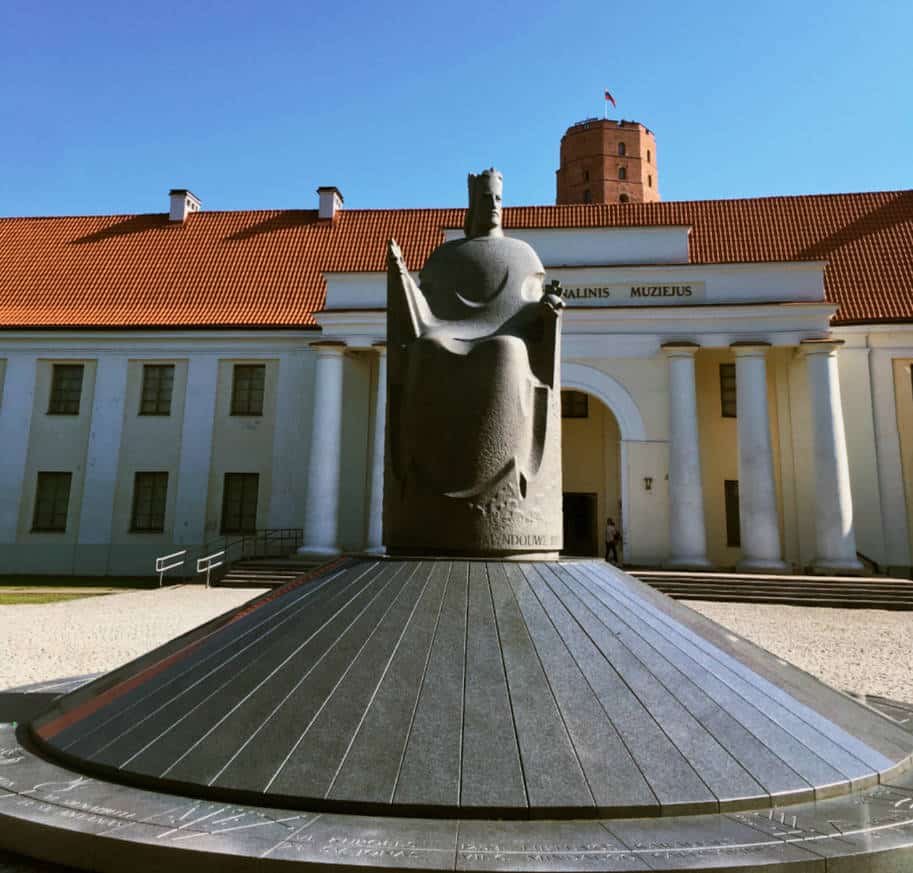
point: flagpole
(605, 107)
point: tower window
(649, 158)
(650, 181)
(622, 198)
(622, 173)
(621, 149)
(587, 197)
(586, 175)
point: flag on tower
(609, 98)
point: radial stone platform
(460, 714)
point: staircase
(849, 592)
(265, 572)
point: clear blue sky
(107, 105)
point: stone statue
(473, 450)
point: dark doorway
(579, 524)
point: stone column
(687, 536)
(375, 539)
(835, 538)
(758, 518)
(321, 511)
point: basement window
(239, 503)
(52, 498)
(150, 491)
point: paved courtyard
(861, 651)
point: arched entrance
(599, 417)
(591, 471)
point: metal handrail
(241, 546)
(207, 564)
(161, 568)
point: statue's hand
(553, 302)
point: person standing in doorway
(612, 536)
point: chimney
(183, 202)
(330, 201)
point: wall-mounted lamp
(648, 483)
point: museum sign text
(628, 295)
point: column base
(375, 550)
(318, 552)
(761, 565)
(687, 564)
(836, 567)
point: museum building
(736, 373)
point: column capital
(680, 349)
(328, 347)
(750, 348)
(828, 346)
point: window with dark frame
(66, 389)
(158, 382)
(239, 503)
(733, 527)
(150, 493)
(621, 149)
(622, 173)
(575, 404)
(52, 498)
(728, 395)
(247, 389)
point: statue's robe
(473, 376)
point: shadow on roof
(127, 227)
(288, 219)
(898, 211)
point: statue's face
(487, 208)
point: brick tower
(606, 161)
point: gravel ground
(95, 634)
(864, 651)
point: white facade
(822, 447)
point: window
(52, 497)
(621, 149)
(623, 198)
(586, 175)
(158, 380)
(247, 389)
(733, 528)
(622, 173)
(728, 397)
(149, 493)
(649, 181)
(648, 156)
(574, 404)
(66, 389)
(239, 503)
(587, 197)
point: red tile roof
(264, 268)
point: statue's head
(483, 218)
